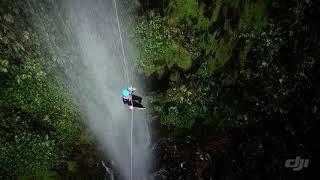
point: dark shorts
(136, 100)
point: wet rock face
(182, 160)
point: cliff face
(264, 101)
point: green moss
(72, 166)
(216, 10)
(181, 57)
(86, 138)
(175, 77)
(185, 10)
(243, 53)
(45, 175)
(252, 20)
(159, 49)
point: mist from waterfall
(90, 56)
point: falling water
(90, 55)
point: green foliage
(37, 120)
(186, 34)
(179, 107)
(72, 166)
(184, 11)
(39, 126)
(252, 19)
(217, 7)
(223, 52)
(45, 175)
(236, 76)
(158, 50)
(208, 36)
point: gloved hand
(131, 107)
(132, 89)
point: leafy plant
(38, 124)
(158, 49)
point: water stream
(89, 53)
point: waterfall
(83, 38)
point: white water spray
(91, 57)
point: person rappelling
(131, 99)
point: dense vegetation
(39, 126)
(223, 61)
(246, 70)
(191, 42)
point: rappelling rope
(121, 42)
(126, 74)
